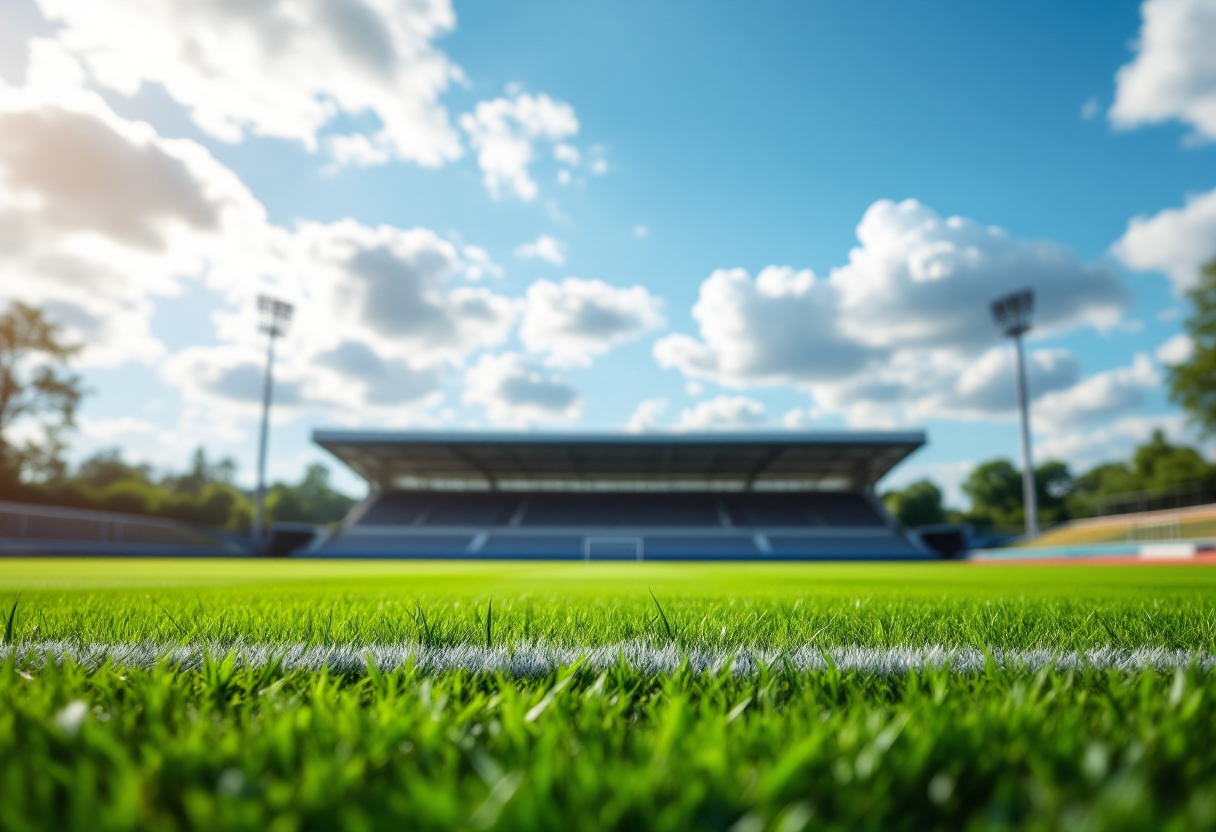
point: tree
(1159, 464)
(107, 467)
(1193, 381)
(995, 489)
(314, 500)
(201, 473)
(36, 385)
(920, 504)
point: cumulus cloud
(1173, 75)
(281, 68)
(916, 282)
(544, 248)
(503, 132)
(800, 418)
(99, 214)
(783, 327)
(919, 279)
(723, 413)
(575, 320)
(1100, 397)
(388, 288)
(516, 393)
(1175, 350)
(376, 330)
(1176, 241)
(647, 416)
(1085, 448)
(915, 386)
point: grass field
(321, 695)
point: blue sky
(357, 148)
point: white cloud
(647, 416)
(100, 215)
(641, 232)
(1084, 449)
(567, 154)
(544, 248)
(1100, 397)
(387, 288)
(503, 130)
(948, 476)
(800, 418)
(918, 279)
(575, 320)
(1175, 350)
(916, 386)
(479, 264)
(782, 327)
(516, 393)
(894, 334)
(723, 413)
(1176, 241)
(1173, 75)
(281, 68)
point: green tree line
(40, 393)
(995, 488)
(204, 495)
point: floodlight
(274, 316)
(1012, 314)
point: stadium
(621, 497)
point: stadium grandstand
(621, 497)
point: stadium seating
(621, 526)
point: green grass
(267, 747)
(316, 602)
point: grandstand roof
(523, 461)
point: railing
(1178, 496)
(47, 524)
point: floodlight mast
(274, 316)
(1012, 314)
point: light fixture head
(1012, 313)
(274, 315)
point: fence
(44, 528)
(1178, 496)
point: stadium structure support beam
(1012, 314)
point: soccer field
(361, 695)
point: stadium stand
(46, 530)
(616, 497)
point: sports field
(320, 695)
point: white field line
(530, 660)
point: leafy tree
(201, 473)
(920, 504)
(107, 467)
(36, 385)
(995, 489)
(1193, 381)
(1160, 464)
(314, 500)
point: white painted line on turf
(526, 660)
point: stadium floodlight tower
(1012, 314)
(273, 318)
